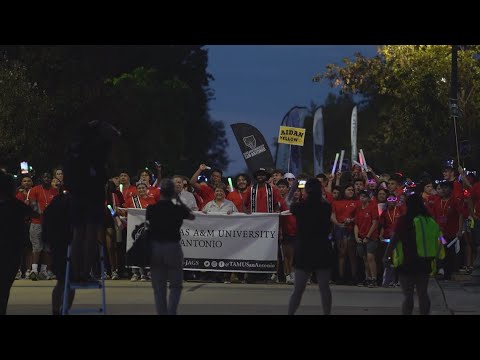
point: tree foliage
(404, 117)
(157, 95)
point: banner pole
(289, 157)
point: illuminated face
(145, 177)
(428, 189)
(59, 174)
(336, 194)
(392, 185)
(349, 192)
(242, 183)
(55, 183)
(364, 198)
(124, 179)
(216, 177)
(116, 180)
(27, 183)
(283, 189)
(219, 194)
(47, 179)
(448, 174)
(381, 196)
(359, 186)
(178, 182)
(372, 184)
(142, 190)
(276, 177)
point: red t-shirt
(388, 219)
(287, 222)
(445, 213)
(475, 193)
(128, 192)
(364, 220)
(457, 190)
(262, 199)
(144, 201)
(154, 193)
(206, 193)
(43, 197)
(329, 196)
(240, 199)
(345, 209)
(24, 196)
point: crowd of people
(364, 209)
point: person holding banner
(313, 251)
(241, 195)
(163, 221)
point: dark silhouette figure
(13, 214)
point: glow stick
(230, 183)
(335, 163)
(357, 163)
(341, 160)
(121, 188)
(364, 161)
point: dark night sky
(258, 84)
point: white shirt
(225, 207)
(188, 199)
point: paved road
(127, 298)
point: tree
(149, 84)
(25, 112)
(406, 104)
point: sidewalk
(461, 295)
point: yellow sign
(291, 135)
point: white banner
(227, 243)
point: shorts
(342, 233)
(370, 248)
(36, 239)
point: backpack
(429, 245)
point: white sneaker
(273, 277)
(115, 275)
(43, 275)
(27, 274)
(143, 278)
(19, 275)
(135, 277)
(51, 275)
(289, 279)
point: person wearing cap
(289, 177)
(264, 198)
(448, 213)
(366, 236)
(448, 172)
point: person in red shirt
(395, 185)
(127, 189)
(139, 201)
(264, 197)
(206, 189)
(23, 194)
(40, 197)
(343, 216)
(241, 195)
(288, 232)
(145, 176)
(448, 172)
(366, 236)
(447, 212)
